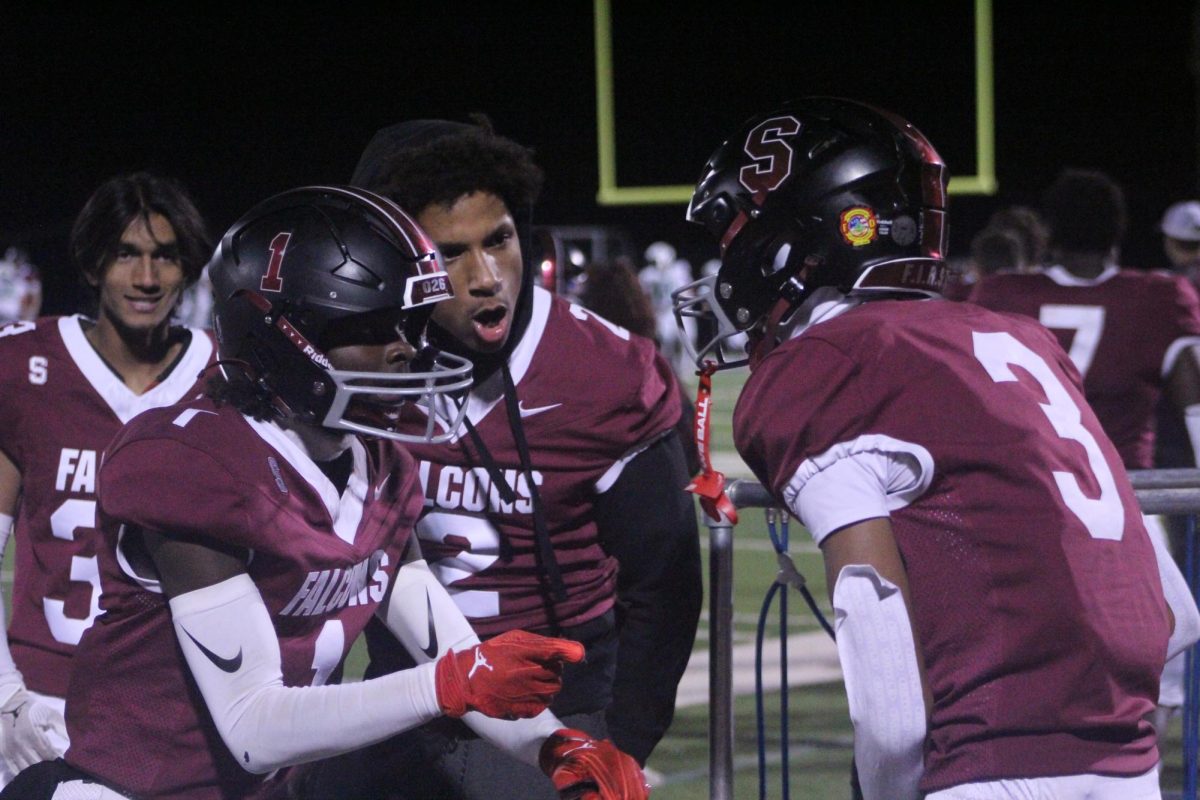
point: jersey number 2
(1103, 516)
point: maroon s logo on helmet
(772, 155)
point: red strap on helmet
(709, 485)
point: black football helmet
(321, 266)
(819, 192)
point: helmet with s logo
(818, 192)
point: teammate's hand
(30, 731)
(584, 768)
(512, 676)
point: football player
(69, 384)
(1131, 333)
(558, 508)
(1000, 619)
(250, 534)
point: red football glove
(512, 676)
(584, 768)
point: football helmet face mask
(321, 267)
(818, 192)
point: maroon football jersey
(60, 406)
(321, 561)
(590, 395)
(1118, 329)
(1035, 594)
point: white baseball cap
(1182, 221)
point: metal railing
(1159, 491)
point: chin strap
(709, 484)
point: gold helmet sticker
(859, 225)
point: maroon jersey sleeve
(19, 346)
(164, 483)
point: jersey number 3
(1103, 516)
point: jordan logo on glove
(521, 674)
(480, 661)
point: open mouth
(491, 324)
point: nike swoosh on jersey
(223, 664)
(432, 649)
(529, 412)
(382, 483)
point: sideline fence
(1173, 492)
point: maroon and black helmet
(820, 191)
(321, 266)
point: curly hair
(1085, 210)
(466, 159)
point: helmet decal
(271, 282)
(422, 289)
(859, 225)
(771, 154)
(902, 229)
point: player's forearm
(1186, 630)
(659, 590)
(8, 669)
(883, 683)
(521, 738)
(657, 634)
(226, 636)
(425, 620)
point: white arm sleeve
(8, 668)
(426, 621)
(1176, 591)
(883, 683)
(230, 646)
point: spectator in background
(662, 275)
(1180, 229)
(1132, 334)
(20, 287)
(614, 292)
(69, 384)
(1029, 225)
(993, 250)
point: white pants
(57, 703)
(1066, 787)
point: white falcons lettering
(329, 590)
(77, 466)
(456, 489)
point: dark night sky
(242, 104)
